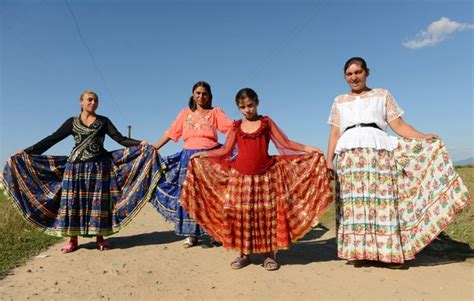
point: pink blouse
(199, 132)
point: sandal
(240, 262)
(102, 245)
(190, 242)
(270, 264)
(70, 247)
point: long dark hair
(358, 60)
(191, 103)
(246, 93)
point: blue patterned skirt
(87, 199)
(166, 197)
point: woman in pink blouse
(197, 125)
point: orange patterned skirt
(257, 213)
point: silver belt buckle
(358, 125)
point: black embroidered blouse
(89, 139)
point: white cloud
(436, 32)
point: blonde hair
(89, 92)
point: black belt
(372, 125)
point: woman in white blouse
(394, 195)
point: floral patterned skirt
(392, 204)
(257, 213)
(87, 199)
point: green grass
(18, 239)
(329, 217)
(462, 229)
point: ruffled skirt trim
(393, 204)
(257, 213)
(86, 199)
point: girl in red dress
(256, 203)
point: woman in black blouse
(92, 192)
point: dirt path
(148, 262)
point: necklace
(200, 113)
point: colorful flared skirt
(168, 190)
(257, 213)
(86, 199)
(392, 204)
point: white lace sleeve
(392, 110)
(334, 116)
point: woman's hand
(199, 155)
(310, 149)
(430, 136)
(330, 168)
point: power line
(91, 55)
(295, 32)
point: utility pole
(129, 131)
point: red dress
(257, 203)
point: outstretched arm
(405, 130)
(175, 131)
(163, 140)
(61, 133)
(282, 142)
(224, 124)
(224, 151)
(118, 137)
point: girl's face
(89, 103)
(356, 77)
(201, 97)
(248, 108)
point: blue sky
(142, 58)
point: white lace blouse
(376, 106)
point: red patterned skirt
(257, 213)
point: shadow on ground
(310, 248)
(443, 250)
(143, 239)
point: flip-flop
(103, 245)
(240, 262)
(70, 247)
(190, 242)
(270, 264)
